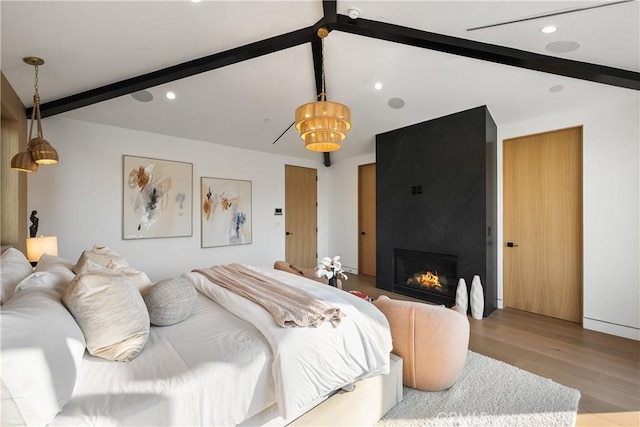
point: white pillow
(14, 268)
(170, 301)
(110, 311)
(41, 351)
(101, 255)
(58, 266)
(43, 279)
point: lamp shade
(23, 162)
(323, 125)
(37, 246)
(42, 152)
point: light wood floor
(605, 368)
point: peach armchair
(432, 340)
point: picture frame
(157, 198)
(225, 212)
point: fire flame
(428, 279)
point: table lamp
(37, 246)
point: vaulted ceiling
(240, 68)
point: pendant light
(322, 124)
(39, 151)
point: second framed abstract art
(225, 212)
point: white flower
(330, 267)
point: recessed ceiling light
(562, 46)
(378, 86)
(549, 29)
(556, 88)
(171, 95)
(196, 1)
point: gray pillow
(170, 301)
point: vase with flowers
(331, 268)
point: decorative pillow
(110, 312)
(170, 301)
(41, 352)
(14, 268)
(101, 255)
(137, 277)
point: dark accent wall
(452, 160)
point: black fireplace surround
(436, 195)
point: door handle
(287, 233)
(362, 233)
(511, 245)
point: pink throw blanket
(289, 307)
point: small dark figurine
(33, 228)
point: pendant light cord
(35, 112)
(323, 95)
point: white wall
(343, 215)
(611, 211)
(80, 199)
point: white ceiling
(88, 44)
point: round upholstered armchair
(431, 339)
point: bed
(227, 363)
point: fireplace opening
(428, 276)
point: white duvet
(229, 361)
(309, 363)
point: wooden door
(367, 219)
(543, 223)
(301, 212)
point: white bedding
(229, 361)
(309, 363)
(211, 369)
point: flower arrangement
(331, 267)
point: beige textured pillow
(101, 255)
(139, 278)
(110, 311)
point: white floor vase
(476, 299)
(462, 298)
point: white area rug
(488, 393)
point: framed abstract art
(157, 198)
(225, 210)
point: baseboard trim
(611, 328)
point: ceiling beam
(330, 11)
(180, 71)
(316, 50)
(488, 52)
(330, 17)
